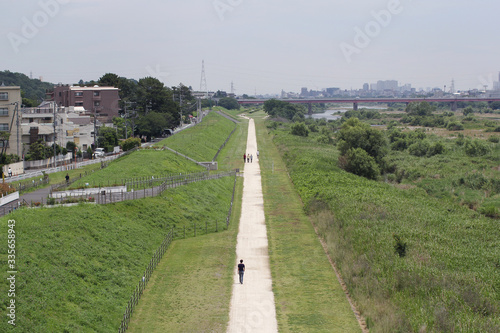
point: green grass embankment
(78, 266)
(307, 293)
(202, 141)
(141, 163)
(190, 290)
(448, 277)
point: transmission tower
(203, 82)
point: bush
(436, 149)
(455, 126)
(494, 139)
(326, 139)
(130, 143)
(359, 162)
(419, 148)
(476, 147)
(313, 128)
(300, 129)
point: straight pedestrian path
(252, 306)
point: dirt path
(252, 303)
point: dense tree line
(32, 90)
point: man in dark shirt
(241, 270)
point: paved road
(252, 304)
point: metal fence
(134, 300)
(23, 187)
(105, 196)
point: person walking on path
(10, 172)
(257, 154)
(251, 158)
(244, 158)
(241, 270)
(67, 178)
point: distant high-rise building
(304, 91)
(387, 85)
(366, 87)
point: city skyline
(262, 47)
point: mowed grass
(141, 163)
(307, 293)
(449, 277)
(78, 266)
(190, 290)
(202, 141)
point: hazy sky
(262, 46)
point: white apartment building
(10, 110)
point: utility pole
(54, 144)
(17, 124)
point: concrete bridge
(356, 101)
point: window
(78, 103)
(79, 93)
(97, 103)
(4, 112)
(4, 127)
(4, 96)
(97, 93)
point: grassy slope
(308, 295)
(142, 163)
(202, 141)
(78, 266)
(190, 290)
(449, 279)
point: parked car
(99, 152)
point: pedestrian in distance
(67, 178)
(251, 158)
(257, 154)
(248, 158)
(241, 270)
(10, 172)
(244, 158)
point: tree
(419, 109)
(299, 129)
(229, 103)
(358, 162)
(107, 138)
(468, 111)
(70, 146)
(153, 96)
(355, 134)
(277, 108)
(151, 124)
(38, 151)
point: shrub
(419, 148)
(130, 143)
(313, 128)
(494, 139)
(476, 147)
(436, 149)
(455, 126)
(300, 129)
(326, 139)
(359, 162)
(399, 144)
